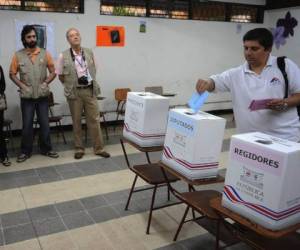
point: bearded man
(32, 63)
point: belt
(84, 86)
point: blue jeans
(28, 108)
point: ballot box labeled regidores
(146, 118)
(193, 143)
(262, 180)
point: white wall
(172, 53)
(291, 49)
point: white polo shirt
(245, 86)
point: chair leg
(105, 126)
(62, 132)
(181, 223)
(218, 234)
(86, 133)
(57, 131)
(148, 157)
(117, 118)
(11, 137)
(192, 189)
(151, 209)
(131, 191)
(168, 193)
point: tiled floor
(79, 204)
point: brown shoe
(103, 154)
(78, 155)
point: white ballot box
(263, 180)
(146, 118)
(193, 143)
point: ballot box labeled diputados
(146, 118)
(262, 180)
(193, 143)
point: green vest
(33, 74)
(70, 75)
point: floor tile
(116, 197)
(94, 202)
(103, 214)
(18, 233)
(50, 179)
(1, 237)
(40, 213)
(120, 208)
(49, 226)
(90, 238)
(47, 172)
(11, 201)
(174, 246)
(77, 220)
(15, 218)
(28, 180)
(71, 174)
(32, 244)
(69, 207)
(59, 241)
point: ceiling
(278, 4)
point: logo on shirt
(275, 81)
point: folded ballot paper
(259, 104)
(197, 100)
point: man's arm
(293, 100)
(283, 104)
(2, 81)
(59, 68)
(51, 69)
(13, 74)
(217, 83)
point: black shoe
(22, 157)
(51, 154)
(6, 162)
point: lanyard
(82, 63)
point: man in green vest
(32, 63)
(77, 72)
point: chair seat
(121, 112)
(55, 118)
(152, 174)
(200, 201)
(7, 122)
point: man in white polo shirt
(260, 78)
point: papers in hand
(259, 104)
(197, 100)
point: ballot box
(146, 118)
(193, 143)
(262, 180)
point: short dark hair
(262, 35)
(27, 29)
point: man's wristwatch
(285, 105)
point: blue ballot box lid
(197, 100)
